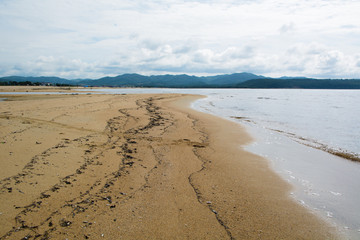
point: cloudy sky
(92, 38)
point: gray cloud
(286, 28)
(349, 26)
(88, 38)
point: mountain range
(235, 80)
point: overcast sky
(93, 38)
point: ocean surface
(296, 130)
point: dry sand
(137, 167)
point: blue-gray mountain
(236, 80)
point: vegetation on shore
(303, 83)
(29, 83)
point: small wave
(344, 154)
(302, 202)
(336, 193)
(242, 119)
(321, 146)
(266, 98)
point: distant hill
(229, 79)
(235, 80)
(172, 81)
(136, 80)
(304, 83)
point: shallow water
(326, 184)
(329, 118)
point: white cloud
(286, 28)
(88, 38)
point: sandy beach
(137, 167)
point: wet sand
(137, 167)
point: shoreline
(318, 188)
(150, 166)
(311, 193)
(18, 90)
(226, 135)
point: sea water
(325, 117)
(296, 129)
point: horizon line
(180, 74)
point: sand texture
(137, 167)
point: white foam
(336, 193)
(329, 214)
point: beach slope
(137, 167)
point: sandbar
(137, 167)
